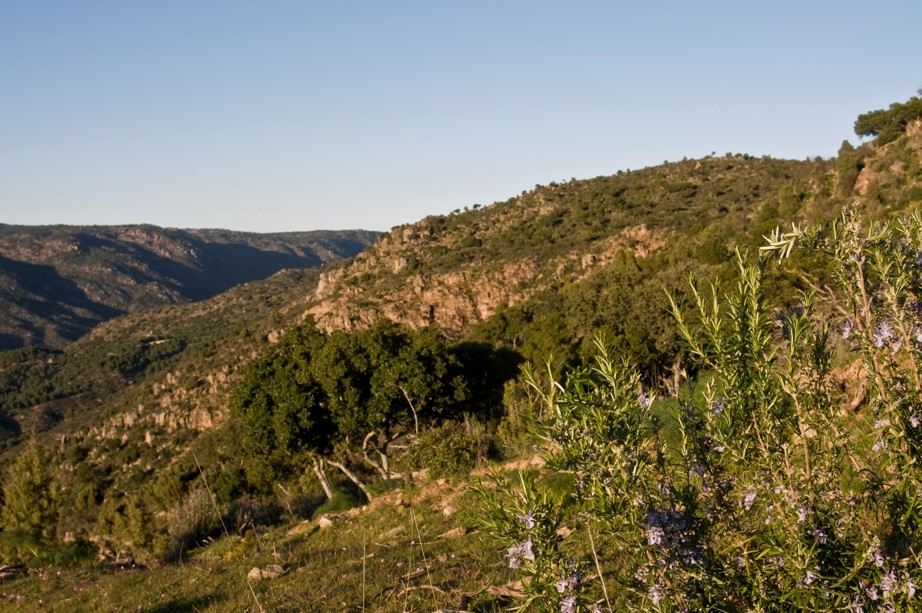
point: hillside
(58, 282)
(140, 409)
(456, 271)
(500, 273)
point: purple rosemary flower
(568, 604)
(857, 605)
(847, 328)
(644, 400)
(658, 591)
(749, 499)
(889, 583)
(518, 553)
(718, 406)
(877, 557)
(528, 519)
(820, 536)
(569, 583)
(883, 334)
(656, 536)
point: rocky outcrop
(375, 284)
(892, 162)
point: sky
(272, 115)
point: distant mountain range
(58, 282)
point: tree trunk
(412, 409)
(322, 477)
(378, 467)
(383, 467)
(351, 476)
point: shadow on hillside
(41, 291)
(206, 270)
(228, 265)
(51, 305)
(10, 341)
(9, 427)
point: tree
(384, 383)
(284, 412)
(848, 167)
(325, 399)
(31, 493)
(888, 125)
(486, 370)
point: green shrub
(195, 519)
(343, 499)
(251, 511)
(31, 493)
(452, 449)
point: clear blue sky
(296, 115)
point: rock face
(57, 282)
(891, 165)
(382, 281)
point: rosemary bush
(758, 489)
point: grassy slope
(393, 555)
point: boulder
(266, 572)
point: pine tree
(30, 494)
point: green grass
(388, 556)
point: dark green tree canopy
(282, 407)
(389, 380)
(311, 396)
(887, 125)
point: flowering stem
(864, 325)
(595, 558)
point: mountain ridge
(60, 281)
